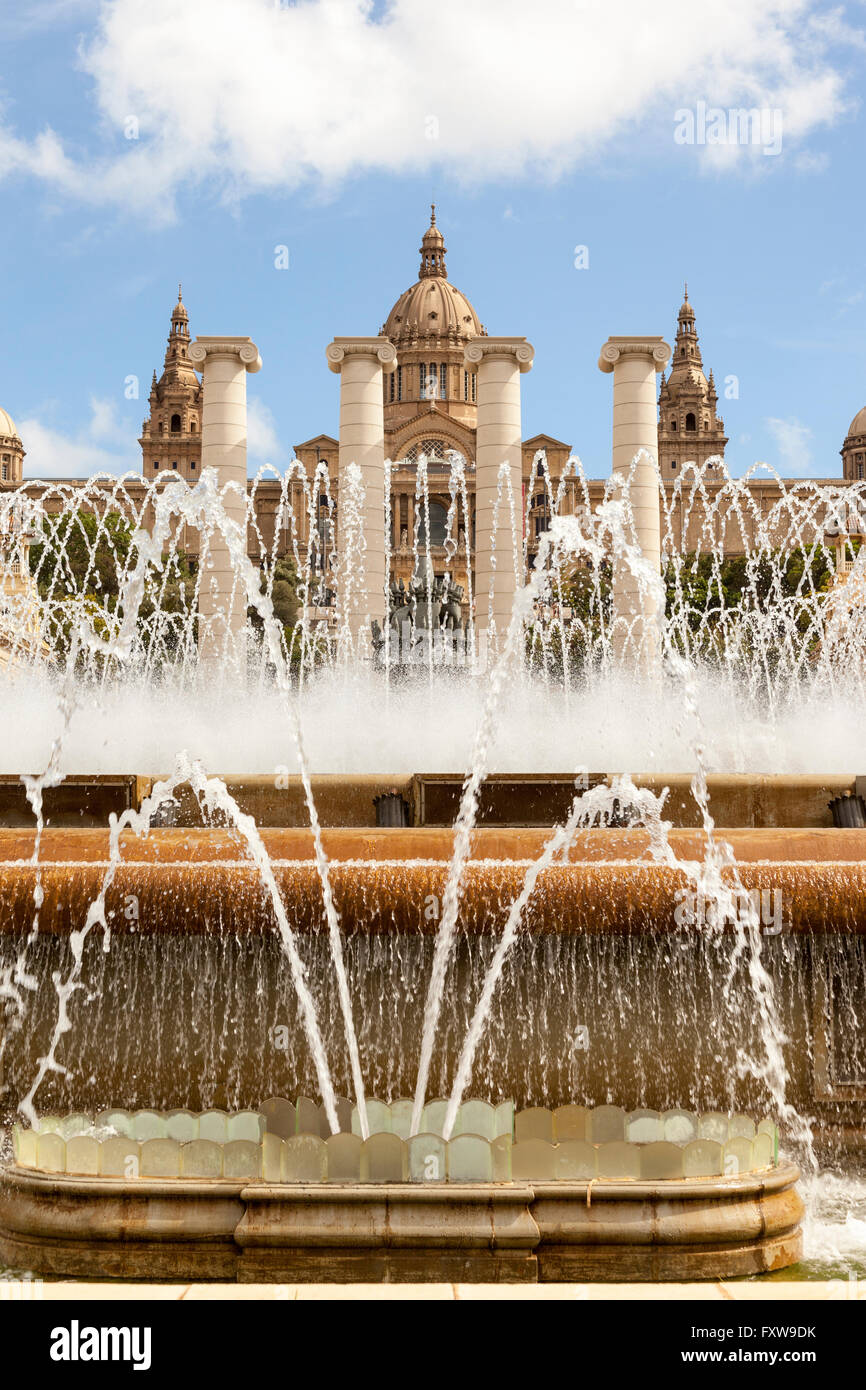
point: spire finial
(432, 250)
(179, 292)
(686, 291)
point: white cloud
(263, 442)
(792, 441)
(105, 445)
(251, 95)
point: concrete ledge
(473, 1232)
(821, 897)
(506, 799)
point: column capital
(211, 346)
(518, 348)
(617, 348)
(341, 348)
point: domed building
(853, 450)
(12, 453)
(430, 410)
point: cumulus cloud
(253, 95)
(263, 442)
(792, 441)
(105, 445)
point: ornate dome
(858, 424)
(432, 308)
(7, 426)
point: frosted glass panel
(272, 1157)
(535, 1123)
(201, 1159)
(304, 1158)
(119, 1158)
(280, 1118)
(146, 1124)
(476, 1117)
(618, 1160)
(242, 1159)
(703, 1158)
(428, 1158)
(500, 1154)
(661, 1161)
(82, 1155)
(51, 1153)
(713, 1125)
(247, 1124)
(308, 1117)
(344, 1158)
(383, 1159)
(680, 1126)
(644, 1127)
(569, 1122)
(433, 1116)
(401, 1117)
(606, 1123)
(532, 1160)
(212, 1125)
(469, 1159)
(182, 1126)
(160, 1158)
(738, 1157)
(574, 1160)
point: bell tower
(690, 428)
(171, 435)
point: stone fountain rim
(785, 1174)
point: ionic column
(634, 363)
(360, 363)
(224, 363)
(498, 363)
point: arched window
(673, 424)
(422, 381)
(5, 472)
(438, 524)
(175, 424)
(706, 424)
(192, 426)
(443, 380)
(690, 421)
(539, 472)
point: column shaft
(362, 596)
(224, 363)
(498, 517)
(634, 363)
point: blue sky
(327, 126)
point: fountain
(587, 1008)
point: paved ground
(835, 1289)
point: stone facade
(431, 407)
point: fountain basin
(110, 1228)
